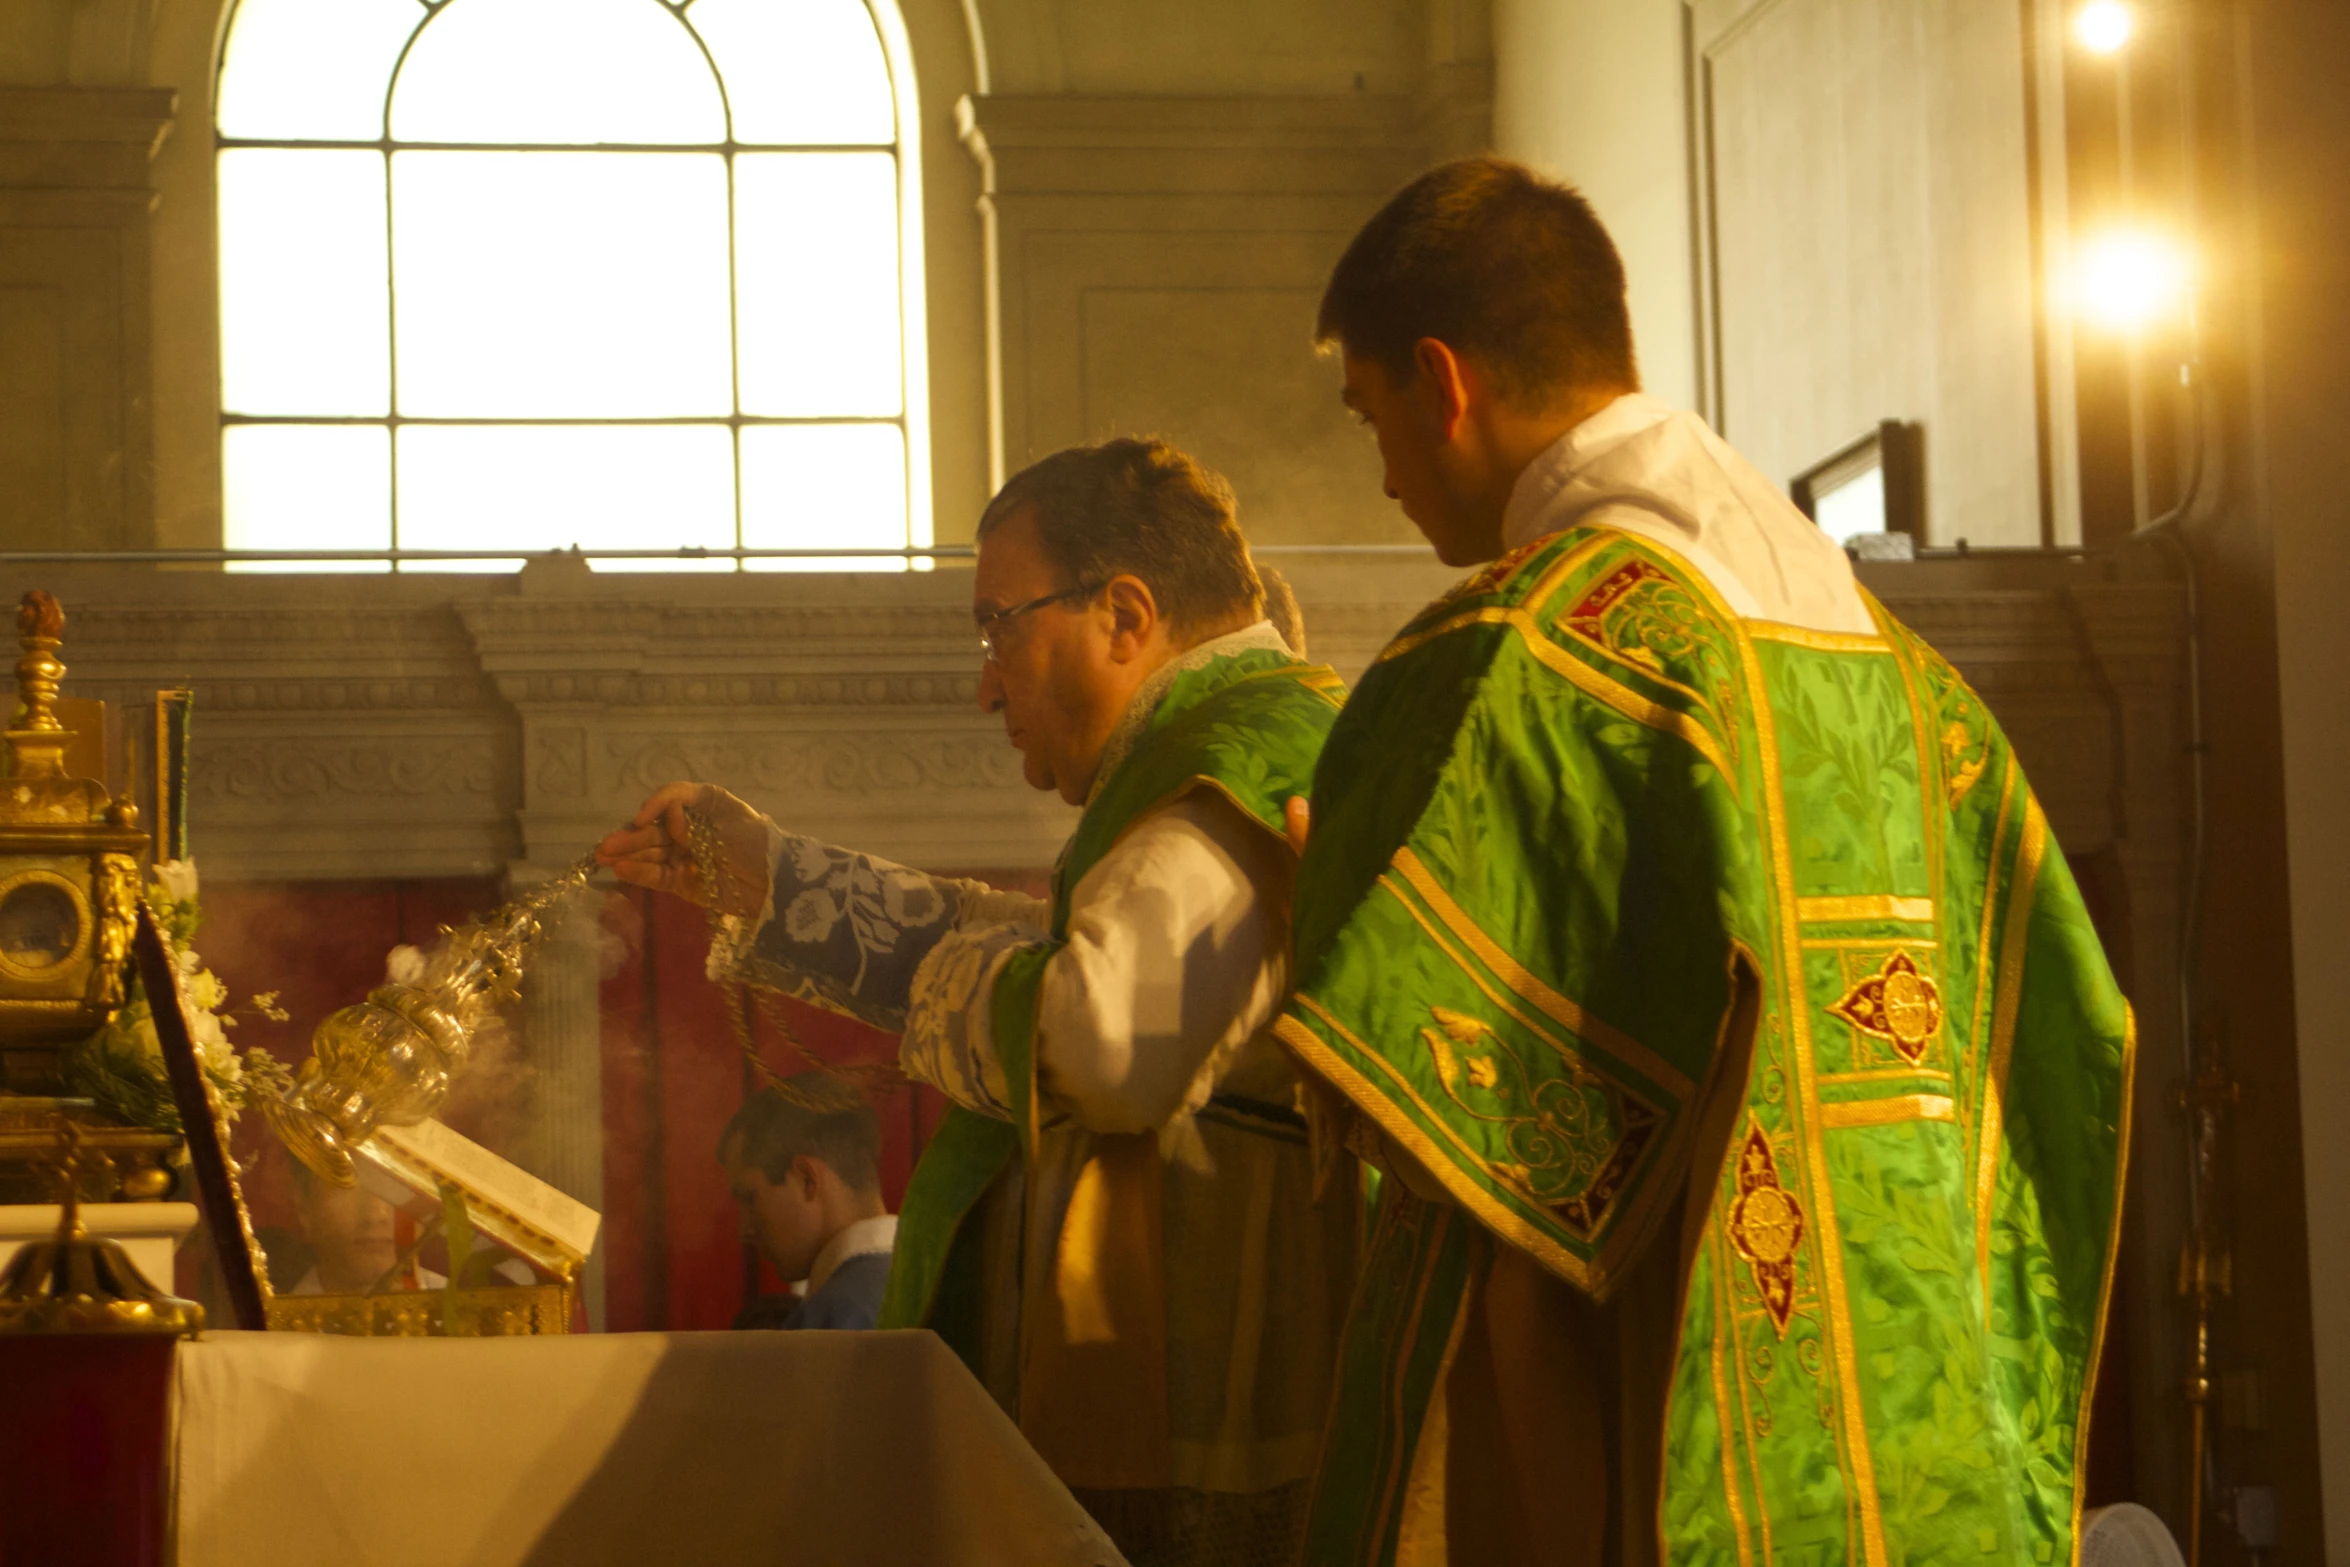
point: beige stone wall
(1593, 94)
(1824, 207)
(1166, 187)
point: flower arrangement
(121, 1065)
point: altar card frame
(425, 1160)
(244, 1275)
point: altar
(633, 1448)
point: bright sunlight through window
(529, 274)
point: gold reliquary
(69, 874)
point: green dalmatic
(1644, 926)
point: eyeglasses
(991, 626)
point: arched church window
(626, 274)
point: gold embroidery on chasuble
(1498, 571)
(1573, 1141)
(1898, 1004)
(1964, 736)
(1588, 619)
(1766, 1226)
(1638, 615)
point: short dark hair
(1145, 508)
(772, 1131)
(1499, 265)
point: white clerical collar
(1526, 518)
(861, 1239)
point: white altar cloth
(302, 1450)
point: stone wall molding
(361, 727)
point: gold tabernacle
(69, 877)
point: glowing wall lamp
(2129, 280)
(2103, 26)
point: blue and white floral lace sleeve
(842, 930)
(948, 1041)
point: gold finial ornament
(74, 1284)
(38, 786)
(40, 628)
(68, 872)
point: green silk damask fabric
(1247, 725)
(1617, 906)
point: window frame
(904, 151)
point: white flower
(811, 916)
(910, 899)
(177, 878)
(810, 859)
(220, 1057)
(205, 991)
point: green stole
(1247, 725)
(1594, 861)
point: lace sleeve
(842, 930)
(949, 1042)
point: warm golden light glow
(2103, 26)
(2127, 280)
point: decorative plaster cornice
(403, 727)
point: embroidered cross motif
(1896, 1003)
(1766, 1225)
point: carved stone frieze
(285, 769)
(354, 727)
(562, 761)
(740, 690)
(854, 764)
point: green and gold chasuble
(1247, 725)
(1641, 925)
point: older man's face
(1052, 675)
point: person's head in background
(1480, 315)
(1096, 566)
(800, 1175)
(348, 1230)
(1282, 610)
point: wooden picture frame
(1894, 448)
(243, 1274)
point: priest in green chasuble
(1115, 1224)
(1680, 937)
